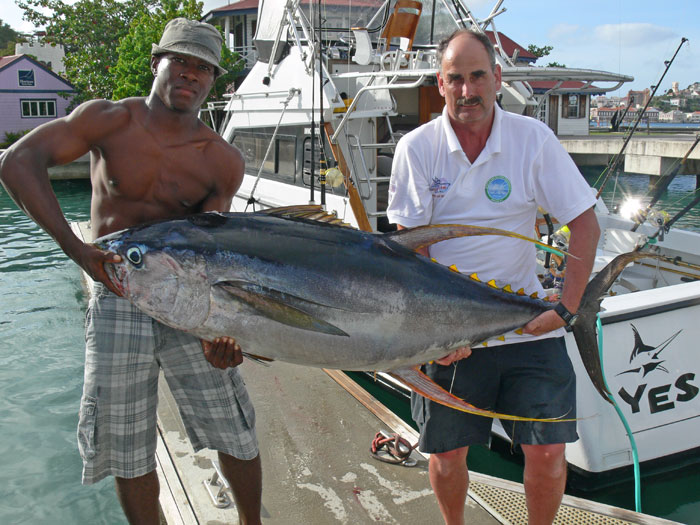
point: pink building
(30, 94)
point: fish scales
(390, 306)
(319, 294)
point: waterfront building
(50, 54)
(30, 94)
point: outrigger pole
(614, 164)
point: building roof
(6, 61)
(11, 59)
(509, 46)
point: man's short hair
(481, 37)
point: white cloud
(632, 34)
(563, 31)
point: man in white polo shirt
(476, 164)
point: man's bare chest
(148, 169)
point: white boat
(371, 92)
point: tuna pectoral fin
(422, 236)
(426, 387)
(276, 305)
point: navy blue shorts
(530, 379)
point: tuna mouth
(116, 276)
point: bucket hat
(189, 37)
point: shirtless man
(151, 158)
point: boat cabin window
(338, 18)
(280, 163)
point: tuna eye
(134, 256)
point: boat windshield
(338, 17)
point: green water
(42, 308)
(41, 374)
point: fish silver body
(306, 292)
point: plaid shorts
(125, 350)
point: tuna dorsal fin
(313, 212)
(422, 236)
(278, 306)
(426, 387)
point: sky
(632, 37)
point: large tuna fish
(323, 295)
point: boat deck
(315, 429)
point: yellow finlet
(433, 259)
(492, 283)
(485, 343)
(501, 338)
(475, 277)
(507, 288)
(520, 292)
(519, 331)
(453, 268)
(534, 296)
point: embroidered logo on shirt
(498, 188)
(438, 187)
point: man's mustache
(470, 101)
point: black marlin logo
(640, 348)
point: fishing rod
(662, 186)
(312, 163)
(665, 226)
(322, 148)
(613, 166)
(680, 214)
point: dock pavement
(315, 429)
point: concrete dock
(647, 154)
(315, 429)
(315, 448)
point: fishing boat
(317, 118)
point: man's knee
(450, 459)
(548, 457)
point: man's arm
(24, 174)
(585, 232)
(228, 164)
(224, 352)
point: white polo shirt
(521, 167)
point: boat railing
(249, 54)
(391, 84)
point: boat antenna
(615, 162)
(662, 186)
(321, 124)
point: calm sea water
(42, 307)
(41, 374)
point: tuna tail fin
(585, 328)
(422, 236)
(426, 387)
